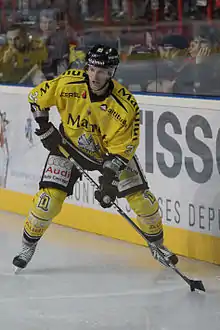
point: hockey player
(100, 119)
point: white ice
(80, 281)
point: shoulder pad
(125, 96)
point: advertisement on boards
(4, 151)
(24, 156)
(180, 152)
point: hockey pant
(58, 179)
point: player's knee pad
(146, 207)
(47, 203)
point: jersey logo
(129, 97)
(88, 143)
(114, 114)
(33, 97)
(84, 95)
(79, 122)
(45, 89)
(69, 95)
(129, 149)
(103, 107)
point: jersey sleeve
(126, 140)
(44, 95)
(41, 98)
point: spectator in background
(55, 39)
(75, 12)
(48, 4)
(48, 23)
(189, 69)
(21, 58)
(119, 8)
(198, 9)
(172, 52)
(217, 9)
(84, 6)
(200, 75)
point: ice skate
(21, 260)
(162, 254)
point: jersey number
(44, 202)
(150, 196)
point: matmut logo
(80, 122)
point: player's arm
(121, 149)
(41, 98)
(126, 140)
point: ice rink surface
(80, 281)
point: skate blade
(17, 270)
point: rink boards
(179, 152)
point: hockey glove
(49, 135)
(108, 190)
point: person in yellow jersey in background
(21, 58)
(101, 120)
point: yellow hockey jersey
(95, 125)
(16, 66)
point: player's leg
(146, 207)
(57, 182)
(47, 204)
(143, 202)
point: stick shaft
(122, 213)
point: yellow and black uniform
(20, 65)
(96, 126)
(103, 133)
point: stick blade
(196, 285)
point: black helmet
(102, 56)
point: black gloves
(108, 190)
(49, 135)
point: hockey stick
(28, 74)
(192, 283)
